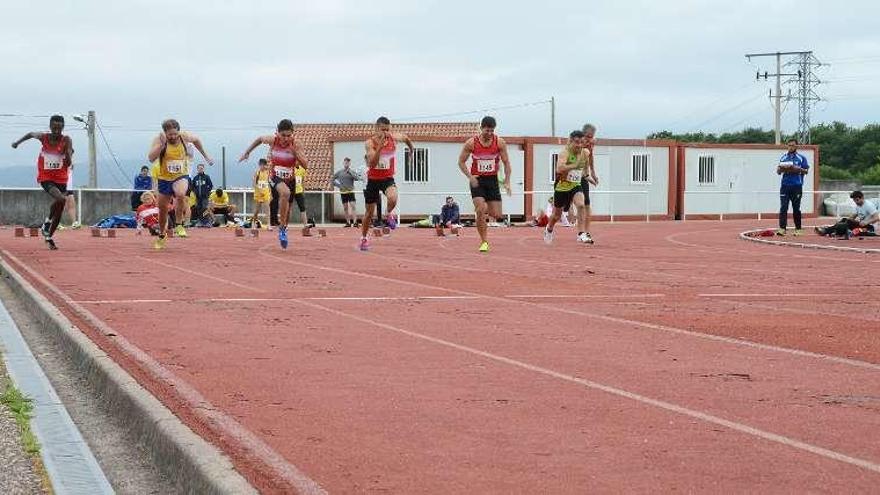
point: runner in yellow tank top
(572, 165)
(262, 194)
(169, 148)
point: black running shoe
(51, 243)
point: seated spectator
(218, 204)
(142, 182)
(147, 213)
(449, 215)
(865, 221)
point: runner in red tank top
(381, 160)
(53, 168)
(486, 150)
(284, 154)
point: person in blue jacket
(142, 182)
(792, 167)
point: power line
(728, 110)
(112, 155)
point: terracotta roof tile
(315, 138)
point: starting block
(386, 231)
(456, 230)
(239, 232)
(377, 232)
(439, 230)
(109, 233)
(307, 231)
(322, 233)
(31, 232)
(255, 233)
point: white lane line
(200, 406)
(668, 406)
(768, 294)
(365, 298)
(598, 316)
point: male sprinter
(571, 164)
(589, 142)
(284, 154)
(487, 150)
(381, 149)
(53, 169)
(170, 149)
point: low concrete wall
(31, 206)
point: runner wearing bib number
(284, 156)
(381, 157)
(572, 162)
(53, 170)
(262, 194)
(170, 149)
(486, 150)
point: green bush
(871, 176)
(834, 173)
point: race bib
(485, 166)
(175, 166)
(574, 175)
(283, 173)
(384, 162)
(52, 161)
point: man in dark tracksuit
(202, 188)
(792, 167)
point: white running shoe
(582, 237)
(585, 238)
(548, 236)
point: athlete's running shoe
(391, 220)
(548, 236)
(75, 225)
(364, 245)
(780, 231)
(798, 232)
(282, 237)
(179, 231)
(51, 244)
(586, 238)
(160, 241)
(44, 229)
(484, 247)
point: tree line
(846, 152)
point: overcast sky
(232, 69)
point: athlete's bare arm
(403, 137)
(260, 140)
(592, 178)
(466, 151)
(192, 138)
(563, 167)
(156, 147)
(301, 156)
(30, 135)
(502, 147)
(372, 150)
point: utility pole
(223, 165)
(553, 116)
(93, 160)
(806, 94)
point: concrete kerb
(749, 236)
(195, 465)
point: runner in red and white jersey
(53, 169)
(381, 150)
(486, 150)
(284, 154)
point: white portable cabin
(720, 181)
(637, 177)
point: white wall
(745, 181)
(417, 198)
(616, 194)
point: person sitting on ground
(449, 215)
(866, 219)
(147, 213)
(218, 204)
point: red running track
(666, 357)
